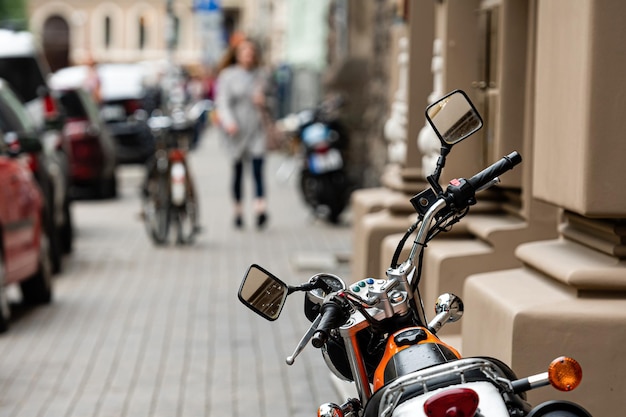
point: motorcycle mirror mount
(453, 118)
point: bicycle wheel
(160, 223)
(187, 222)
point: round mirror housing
(452, 304)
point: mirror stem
(433, 179)
(315, 282)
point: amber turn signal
(565, 373)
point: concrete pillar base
(369, 234)
(368, 200)
(526, 318)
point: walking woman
(240, 102)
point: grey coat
(235, 88)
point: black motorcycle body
(324, 181)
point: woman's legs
(260, 205)
(237, 192)
(237, 185)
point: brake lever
(305, 340)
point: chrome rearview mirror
(449, 308)
(453, 118)
(263, 293)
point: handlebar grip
(497, 169)
(332, 314)
(461, 193)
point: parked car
(23, 66)
(92, 147)
(24, 254)
(15, 119)
(122, 91)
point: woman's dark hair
(230, 56)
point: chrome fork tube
(348, 333)
(357, 365)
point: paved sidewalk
(137, 330)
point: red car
(92, 147)
(24, 256)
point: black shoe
(261, 220)
(238, 222)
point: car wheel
(5, 309)
(108, 187)
(54, 244)
(54, 236)
(66, 234)
(38, 288)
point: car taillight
(32, 162)
(131, 106)
(454, 402)
(565, 373)
(49, 108)
(86, 150)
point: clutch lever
(305, 339)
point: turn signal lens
(565, 373)
(454, 402)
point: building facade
(74, 31)
(539, 262)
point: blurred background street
(141, 330)
(138, 329)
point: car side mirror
(263, 293)
(17, 143)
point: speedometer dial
(317, 295)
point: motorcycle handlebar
(495, 170)
(332, 316)
(460, 193)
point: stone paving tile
(139, 330)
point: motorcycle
(169, 195)
(321, 139)
(375, 332)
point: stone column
(568, 295)
(505, 216)
(381, 211)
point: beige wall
(579, 144)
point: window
(176, 29)
(107, 32)
(24, 75)
(142, 32)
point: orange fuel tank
(410, 350)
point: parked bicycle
(169, 198)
